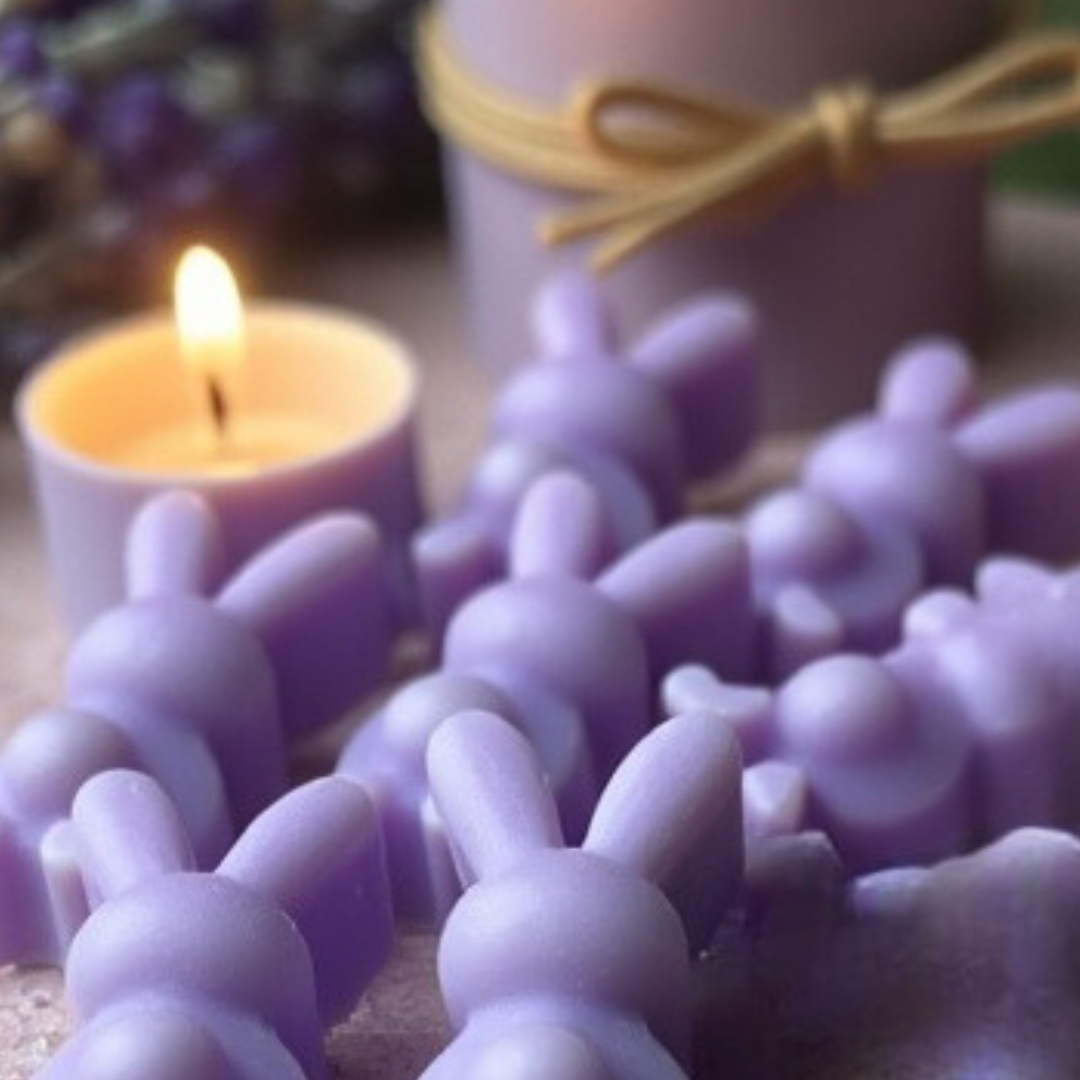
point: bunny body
(203, 694)
(576, 951)
(226, 975)
(639, 427)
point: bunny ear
(174, 547)
(1027, 451)
(931, 381)
(748, 710)
(937, 613)
(569, 317)
(317, 601)
(452, 560)
(561, 529)
(688, 591)
(127, 831)
(706, 357)
(673, 813)
(487, 785)
(318, 853)
(1012, 582)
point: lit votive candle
(274, 412)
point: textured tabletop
(407, 283)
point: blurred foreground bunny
(199, 686)
(572, 962)
(964, 969)
(231, 975)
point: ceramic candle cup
(840, 279)
(323, 421)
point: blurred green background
(1053, 166)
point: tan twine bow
(655, 157)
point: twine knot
(847, 118)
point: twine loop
(651, 158)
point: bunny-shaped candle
(202, 694)
(232, 975)
(573, 663)
(573, 962)
(966, 969)
(967, 730)
(680, 405)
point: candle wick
(219, 408)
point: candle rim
(45, 442)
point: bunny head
(902, 468)
(887, 765)
(824, 581)
(235, 968)
(295, 638)
(590, 925)
(704, 356)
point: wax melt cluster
(622, 899)
(573, 654)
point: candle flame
(210, 322)
(209, 313)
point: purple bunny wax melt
(967, 969)
(571, 662)
(964, 732)
(678, 406)
(573, 962)
(202, 694)
(232, 975)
